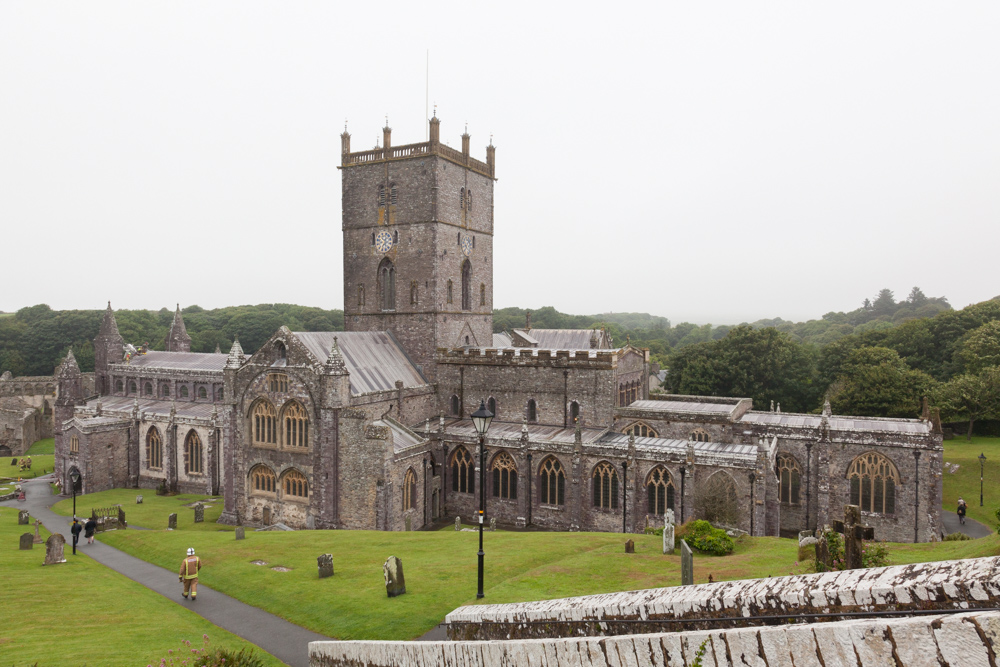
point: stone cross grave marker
(854, 533)
(408, 523)
(22, 518)
(687, 565)
(668, 532)
(38, 538)
(325, 563)
(138, 500)
(172, 522)
(395, 584)
(265, 516)
(27, 541)
(54, 549)
(629, 547)
(458, 523)
(240, 534)
(199, 513)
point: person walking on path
(75, 529)
(961, 510)
(90, 527)
(189, 575)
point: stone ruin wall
(20, 427)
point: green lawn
(46, 446)
(41, 464)
(154, 510)
(81, 613)
(965, 481)
(440, 568)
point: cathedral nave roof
(374, 359)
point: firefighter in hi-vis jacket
(189, 574)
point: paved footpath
(286, 641)
(971, 527)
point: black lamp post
(982, 460)
(624, 496)
(481, 419)
(74, 478)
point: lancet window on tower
(466, 285)
(387, 284)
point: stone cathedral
(369, 428)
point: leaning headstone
(266, 516)
(629, 547)
(458, 523)
(325, 563)
(122, 523)
(493, 524)
(199, 513)
(138, 500)
(687, 565)
(22, 518)
(38, 538)
(172, 522)
(395, 585)
(27, 541)
(855, 533)
(240, 534)
(408, 522)
(54, 549)
(668, 532)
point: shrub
(874, 554)
(703, 537)
(956, 537)
(654, 531)
(206, 657)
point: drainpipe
(683, 475)
(425, 491)
(624, 495)
(808, 481)
(916, 496)
(531, 499)
(565, 399)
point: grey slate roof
(180, 361)
(402, 437)
(120, 405)
(501, 339)
(679, 446)
(685, 406)
(511, 430)
(563, 339)
(373, 358)
(837, 423)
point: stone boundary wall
(946, 585)
(968, 639)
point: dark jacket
(76, 528)
(91, 526)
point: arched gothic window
(392, 195)
(131, 387)
(387, 284)
(74, 444)
(296, 425)
(119, 388)
(504, 476)
(295, 484)
(873, 483)
(455, 405)
(264, 423)
(450, 292)
(482, 294)
(277, 382)
(409, 490)
(491, 405)
(466, 285)
(605, 486)
(639, 430)
(789, 475)
(574, 411)
(165, 390)
(282, 352)
(183, 391)
(532, 410)
(193, 461)
(699, 435)
(659, 491)
(262, 480)
(361, 295)
(552, 482)
(461, 199)
(462, 472)
(154, 449)
(380, 196)
(147, 389)
(413, 292)
(202, 392)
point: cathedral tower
(107, 350)
(418, 244)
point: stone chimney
(465, 143)
(386, 136)
(435, 129)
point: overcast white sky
(705, 161)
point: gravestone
(493, 524)
(27, 541)
(408, 522)
(199, 513)
(138, 500)
(22, 518)
(240, 533)
(172, 522)
(668, 532)
(122, 523)
(266, 516)
(38, 538)
(54, 549)
(395, 585)
(687, 565)
(854, 534)
(458, 523)
(325, 563)
(629, 547)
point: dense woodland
(878, 360)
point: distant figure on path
(75, 529)
(189, 574)
(90, 527)
(961, 510)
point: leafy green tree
(981, 348)
(875, 382)
(917, 297)
(885, 302)
(970, 396)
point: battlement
(528, 356)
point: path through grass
(964, 482)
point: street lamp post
(982, 460)
(481, 419)
(74, 478)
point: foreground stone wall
(946, 585)
(964, 639)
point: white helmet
(191, 551)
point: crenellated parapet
(510, 356)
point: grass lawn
(46, 446)
(440, 568)
(154, 510)
(965, 481)
(81, 613)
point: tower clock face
(383, 241)
(467, 245)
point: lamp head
(982, 457)
(481, 419)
